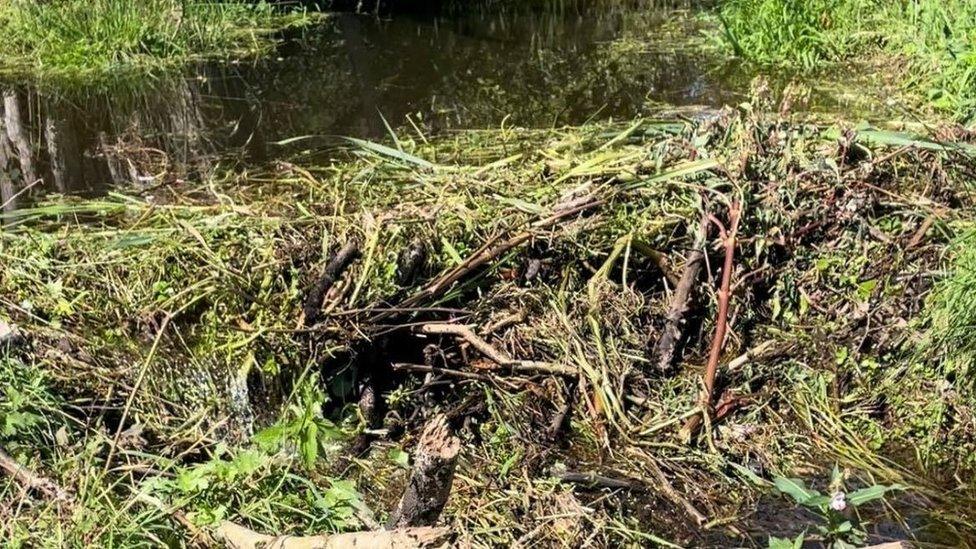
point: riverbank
(265, 347)
(86, 41)
(926, 45)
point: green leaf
(784, 543)
(383, 150)
(865, 495)
(749, 475)
(794, 488)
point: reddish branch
(721, 324)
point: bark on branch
(239, 537)
(337, 265)
(435, 459)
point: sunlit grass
(89, 38)
(935, 40)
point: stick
(239, 537)
(495, 355)
(721, 324)
(667, 345)
(336, 266)
(32, 481)
(435, 459)
(491, 250)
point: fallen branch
(336, 266)
(239, 537)
(32, 481)
(430, 482)
(721, 325)
(663, 356)
(495, 355)
(491, 250)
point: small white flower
(838, 502)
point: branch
(721, 324)
(239, 537)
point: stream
(360, 76)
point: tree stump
(435, 459)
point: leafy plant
(842, 528)
(302, 426)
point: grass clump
(934, 39)
(796, 33)
(82, 38)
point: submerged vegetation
(208, 353)
(931, 40)
(85, 39)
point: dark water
(352, 76)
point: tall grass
(85, 36)
(934, 39)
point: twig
(674, 496)
(593, 480)
(495, 355)
(721, 324)
(492, 249)
(336, 266)
(32, 480)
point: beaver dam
(732, 326)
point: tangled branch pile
(553, 294)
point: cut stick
(435, 459)
(721, 323)
(236, 536)
(663, 356)
(336, 266)
(498, 357)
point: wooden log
(435, 459)
(235, 536)
(336, 266)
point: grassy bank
(931, 42)
(79, 39)
(168, 375)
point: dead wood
(721, 323)
(663, 356)
(434, 461)
(493, 249)
(333, 270)
(495, 355)
(32, 481)
(235, 536)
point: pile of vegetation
(274, 351)
(89, 39)
(932, 41)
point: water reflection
(345, 78)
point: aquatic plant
(92, 38)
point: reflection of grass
(936, 38)
(90, 38)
